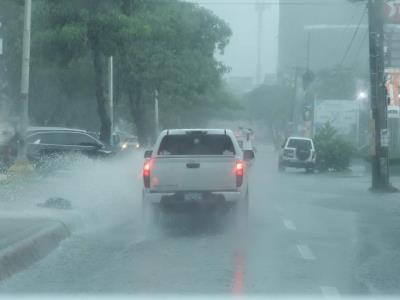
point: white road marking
(289, 225)
(330, 292)
(305, 252)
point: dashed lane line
(330, 292)
(289, 225)
(305, 252)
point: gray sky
(241, 15)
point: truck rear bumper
(179, 197)
(297, 164)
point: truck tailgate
(186, 173)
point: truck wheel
(146, 216)
(246, 206)
(151, 219)
(281, 168)
(242, 212)
(151, 214)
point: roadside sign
(385, 137)
(393, 112)
(392, 12)
(343, 115)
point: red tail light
(146, 174)
(239, 170)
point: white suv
(298, 152)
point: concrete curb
(19, 256)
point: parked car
(203, 167)
(44, 143)
(297, 152)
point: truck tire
(242, 212)
(151, 215)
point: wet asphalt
(308, 234)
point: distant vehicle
(245, 138)
(44, 143)
(297, 152)
(204, 167)
(130, 143)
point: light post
(156, 114)
(24, 96)
(260, 9)
(111, 95)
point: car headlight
(124, 146)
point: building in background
(315, 34)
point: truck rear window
(196, 144)
(299, 143)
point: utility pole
(308, 50)
(294, 99)
(156, 114)
(1, 42)
(380, 155)
(260, 8)
(24, 97)
(111, 95)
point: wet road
(308, 234)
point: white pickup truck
(195, 167)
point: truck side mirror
(248, 155)
(148, 153)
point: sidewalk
(24, 240)
(38, 212)
(28, 233)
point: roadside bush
(333, 151)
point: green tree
(333, 151)
(167, 46)
(173, 54)
(74, 29)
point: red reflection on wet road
(237, 285)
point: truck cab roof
(196, 131)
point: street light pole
(24, 97)
(308, 50)
(111, 94)
(156, 114)
(260, 8)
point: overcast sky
(241, 15)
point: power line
(292, 3)
(345, 32)
(353, 37)
(359, 48)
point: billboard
(343, 115)
(392, 11)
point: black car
(44, 143)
